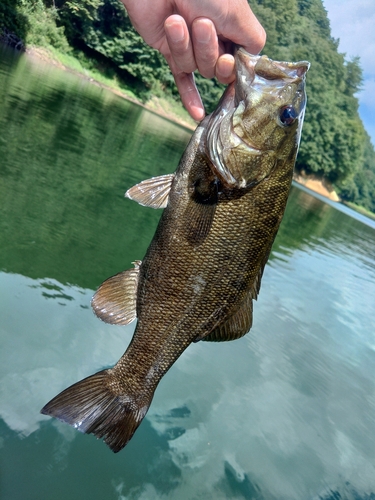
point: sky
(353, 22)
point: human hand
(197, 34)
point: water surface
(287, 412)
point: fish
(203, 268)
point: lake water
(286, 412)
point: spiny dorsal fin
(236, 326)
(115, 300)
(152, 192)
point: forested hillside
(334, 143)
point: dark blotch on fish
(203, 268)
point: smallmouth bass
(203, 268)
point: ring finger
(206, 47)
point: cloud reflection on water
(285, 411)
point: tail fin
(91, 406)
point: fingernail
(225, 66)
(175, 31)
(202, 31)
(197, 113)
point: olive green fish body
(203, 268)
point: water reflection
(69, 152)
(287, 412)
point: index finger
(187, 89)
(241, 27)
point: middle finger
(206, 47)
(179, 43)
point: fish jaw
(258, 120)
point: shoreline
(155, 105)
(162, 108)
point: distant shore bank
(160, 106)
(318, 185)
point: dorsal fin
(236, 326)
(152, 192)
(115, 300)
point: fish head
(257, 125)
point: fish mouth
(270, 69)
(264, 74)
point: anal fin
(115, 300)
(236, 326)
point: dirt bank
(318, 185)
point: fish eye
(287, 115)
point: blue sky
(353, 22)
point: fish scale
(203, 268)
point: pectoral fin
(200, 221)
(115, 300)
(236, 326)
(200, 211)
(152, 192)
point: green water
(287, 412)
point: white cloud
(27, 382)
(353, 22)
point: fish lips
(263, 74)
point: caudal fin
(91, 406)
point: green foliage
(210, 91)
(334, 143)
(33, 22)
(103, 27)
(12, 19)
(360, 187)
